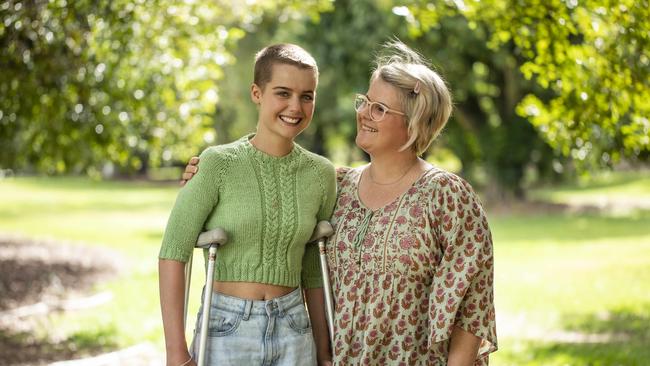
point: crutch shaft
(207, 300)
(329, 305)
(188, 281)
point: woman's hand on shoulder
(190, 169)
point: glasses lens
(359, 103)
(377, 112)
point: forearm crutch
(210, 240)
(322, 231)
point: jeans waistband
(279, 305)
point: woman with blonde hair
(411, 259)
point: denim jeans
(267, 332)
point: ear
(256, 93)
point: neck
(388, 167)
(275, 146)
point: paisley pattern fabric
(403, 275)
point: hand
(190, 169)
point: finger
(183, 181)
(194, 160)
(187, 176)
(191, 169)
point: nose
(294, 104)
(364, 111)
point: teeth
(368, 128)
(290, 120)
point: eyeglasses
(377, 110)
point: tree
(593, 59)
(485, 132)
(94, 84)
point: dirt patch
(36, 277)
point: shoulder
(314, 158)
(342, 172)
(321, 163)
(220, 154)
(442, 180)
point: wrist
(187, 362)
(178, 358)
(323, 356)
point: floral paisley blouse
(403, 275)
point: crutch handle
(206, 239)
(210, 240)
(216, 237)
(323, 230)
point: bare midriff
(251, 290)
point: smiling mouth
(368, 128)
(290, 120)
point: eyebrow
(289, 89)
(375, 101)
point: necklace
(372, 179)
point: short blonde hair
(281, 53)
(423, 94)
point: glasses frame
(368, 104)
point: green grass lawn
(571, 289)
(128, 217)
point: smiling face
(387, 135)
(286, 103)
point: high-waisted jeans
(267, 332)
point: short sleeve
(193, 205)
(462, 289)
(311, 271)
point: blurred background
(102, 103)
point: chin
(363, 145)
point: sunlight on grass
(561, 282)
(606, 189)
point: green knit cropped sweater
(267, 205)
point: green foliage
(485, 132)
(93, 84)
(594, 58)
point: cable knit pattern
(288, 205)
(268, 206)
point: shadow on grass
(634, 323)
(623, 338)
(32, 271)
(21, 348)
(28, 283)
